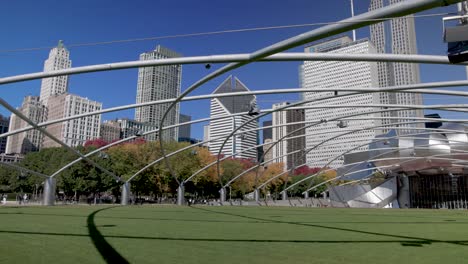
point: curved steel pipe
(262, 92)
(433, 157)
(265, 162)
(373, 141)
(333, 119)
(42, 130)
(289, 56)
(19, 168)
(350, 150)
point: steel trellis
(402, 9)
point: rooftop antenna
(352, 14)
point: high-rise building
(397, 36)
(59, 59)
(288, 150)
(206, 135)
(159, 83)
(222, 127)
(267, 155)
(110, 131)
(342, 74)
(4, 124)
(73, 132)
(130, 127)
(267, 134)
(31, 140)
(184, 131)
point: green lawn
(168, 234)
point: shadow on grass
(142, 218)
(413, 240)
(445, 222)
(108, 253)
(406, 242)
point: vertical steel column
(125, 193)
(181, 194)
(256, 195)
(49, 191)
(306, 195)
(404, 192)
(284, 195)
(222, 195)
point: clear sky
(32, 24)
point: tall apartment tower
(184, 131)
(243, 144)
(331, 74)
(4, 124)
(288, 150)
(59, 59)
(73, 132)
(397, 36)
(267, 132)
(31, 140)
(159, 83)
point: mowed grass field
(213, 234)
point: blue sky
(31, 24)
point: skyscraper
(184, 131)
(222, 127)
(110, 131)
(397, 36)
(206, 135)
(267, 131)
(31, 140)
(342, 74)
(73, 132)
(4, 124)
(59, 59)
(294, 143)
(159, 83)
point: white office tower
(288, 136)
(159, 83)
(31, 140)
(206, 135)
(342, 74)
(59, 59)
(73, 132)
(397, 36)
(243, 144)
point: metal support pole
(306, 195)
(257, 195)
(404, 192)
(222, 195)
(49, 191)
(181, 195)
(284, 196)
(125, 193)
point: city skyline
(99, 85)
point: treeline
(126, 159)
